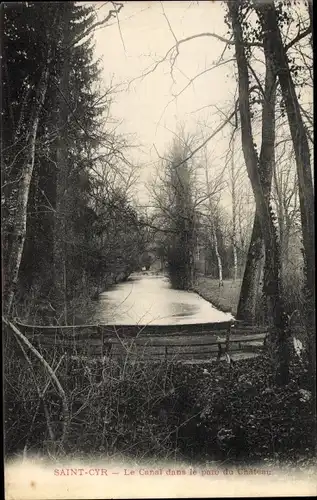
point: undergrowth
(145, 410)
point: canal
(149, 299)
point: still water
(149, 299)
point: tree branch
(211, 136)
(111, 14)
(51, 372)
(182, 41)
(298, 37)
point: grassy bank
(225, 297)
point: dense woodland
(71, 226)
(68, 225)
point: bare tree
(176, 202)
(285, 198)
(268, 18)
(234, 179)
(211, 190)
(19, 220)
(256, 255)
(33, 100)
(263, 209)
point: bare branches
(113, 13)
(211, 136)
(191, 81)
(299, 37)
(47, 367)
(173, 51)
(260, 86)
(116, 11)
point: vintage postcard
(158, 256)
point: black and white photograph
(158, 249)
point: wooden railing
(190, 342)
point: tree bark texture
(252, 276)
(234, 214)
(60, 223)
(251, 283)
(20, 216)
(258, 181)
(268, 18)
(267, 15)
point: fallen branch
(41, 398)
(25, 341)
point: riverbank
(108, 282)
(150, 299)
(224, 298)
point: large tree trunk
(234, 215)
(60, 250)
(20, 216)
(61, 211)
(272, 279)
(253, 273)
(281, 214)
(268, 18)
(298, 133)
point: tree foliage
(57, 143)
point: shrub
(211, 412)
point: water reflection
(149, 299)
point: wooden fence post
(228, 338)
(109, 347)
(101, 335)
(219, 351)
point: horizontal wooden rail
(142, 340)
(53, 327)
(129, 330)
(189, 342)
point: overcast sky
(147, 110)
